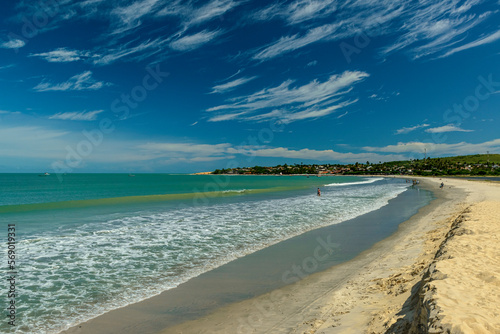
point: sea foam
(74, 273)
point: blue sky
(186, 86)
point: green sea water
(87, 243)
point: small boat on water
(44, 174)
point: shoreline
(301, 306)
(263, 268)
(366, 293)
(383, 290)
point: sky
(188, 86)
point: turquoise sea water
(89, 243)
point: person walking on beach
(319, 192)
(442, 185)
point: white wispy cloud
(411, 128)
(210, 11)
(300, 11)
(344, 114)
(77, 115)
(83, 81)
(422, 28)
(129, 17)
(447, 128)
(290, 103)
(481, 41)
(419, 28)
(131, 50)
(430, 27)
(461, 148)
(194, 152)
(191, 15)
(349, 20)
(223, 88)
(188, 14)
(13, 44)
(318, 155)
(297, 11)
(194, 41)
(312, 63)
(62, 55)
(290, 43)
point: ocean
(89, 243)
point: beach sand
(439, 273)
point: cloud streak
(411, 129)
(429, 28)
(420, 29)
(290, 43)
(77, 116)
(194, 41)
(229, 86)
(193, 152)
(129, 17)
(62, 55)
(297, 11)
(447, 128)
(130, 50)
(83, 81)
(13, 44)
(481, 41)
(290, 103)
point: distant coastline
(469, 165)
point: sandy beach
(439, 273)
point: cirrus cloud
(77, 116)
(82, 81)
(13, 44)
(411, 128)
(62, 55)
(447, 128)
(290, 103)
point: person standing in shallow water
(319, 192)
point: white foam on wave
(234, 191)
(77, 275)
(353, 183)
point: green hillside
(479, 164)
(473, 159)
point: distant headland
(467, 165)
